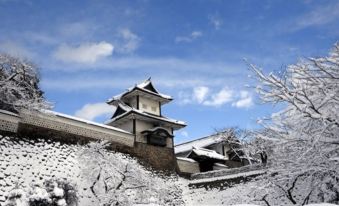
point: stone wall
(76, 131)
(96, 173)
(28, 161)
(162, 158)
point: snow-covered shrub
(38, 196)
(51, 193)
(118, 179)
(16, 197)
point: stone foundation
(162, 158)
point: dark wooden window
(158, 138)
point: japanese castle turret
(139, 111)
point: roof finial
(149, 78)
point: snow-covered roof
(130, 110)
(8, 112)
(186, 159)
(83, 120)
(207, 153)
(202, 142)
(220, 165)
(146, 87)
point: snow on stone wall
(28, 161)
(25, 162)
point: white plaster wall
(150, 103)
(218, 148)
(76, 127)
(188, 167)
(169, 142)
(141, 126)
(226, 149)
(127, 126)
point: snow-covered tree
(19, 85)
(118, 179)
(303, 139)
(244, 147)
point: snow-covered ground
(112, 176)
(238, 195)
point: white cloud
(216, 21)
(129, 41)
(184, 133)
(183, 74)
(320, 15)
(85, 53)
(223, 96)
(194, 35)
(200, 93)
(92, 111)
(41, 38)
(245, 100)
(185, 98)
(203, 95)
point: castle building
(139, 111)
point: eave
(133, 114)
(136, 91)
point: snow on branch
(19, 85)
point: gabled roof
(145, 88)
(123, 111)
(202, 142)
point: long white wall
(9, 122)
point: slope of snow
(26, 162)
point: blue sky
(89, 51)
